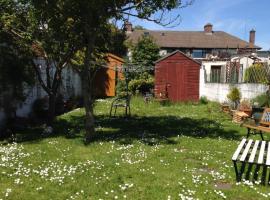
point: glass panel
(198, 53)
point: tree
(44, 30)
(16, 74)
(61, 28)
(145, 52)
(92, 18)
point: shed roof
(177, 51)
(115, 57)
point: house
(231, 70)
(203, 44)
(177, 77)
(217, 76)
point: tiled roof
(193, 39)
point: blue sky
(236, 17)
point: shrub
(256, 73)
(141, 86)
(262, 100)
(121, 89)
(204, 100)
(234, 96)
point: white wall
(218, 91)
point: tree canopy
(61, 28)
(16, 73)
(146, 51)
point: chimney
(127, 26)
(252, 37)
(208, 28)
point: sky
(236, 17)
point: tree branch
(38, 73)
(157, 21)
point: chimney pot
(208, 28)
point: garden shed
(106, 77)
(177, 77)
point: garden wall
(218, 91)
(71, 86)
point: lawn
(177, 151)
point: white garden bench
(251, 152)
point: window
(215, 76)
(146, 33)
(198, 53)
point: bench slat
(253, 152)
(256, 127)
(238, 150)
(245, 152)
(261, 155)
(268, 155)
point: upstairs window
(198, 53)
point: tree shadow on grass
(151, 130)
(160, 129)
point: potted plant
(245, 107)
(234, 96)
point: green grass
(160, 152)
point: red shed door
(177, 90)
(171, 82)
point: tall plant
(145, 51)
(257, 73)
(234, 96)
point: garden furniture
(123, 102)
(262, 126)
(252, 153)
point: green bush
(121, 89)
(204, 100)
(234, 96)
(141, 86)
(262, 100)
(256, 73)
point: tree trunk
(51, 109)
(87, 85)
(88, 105)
